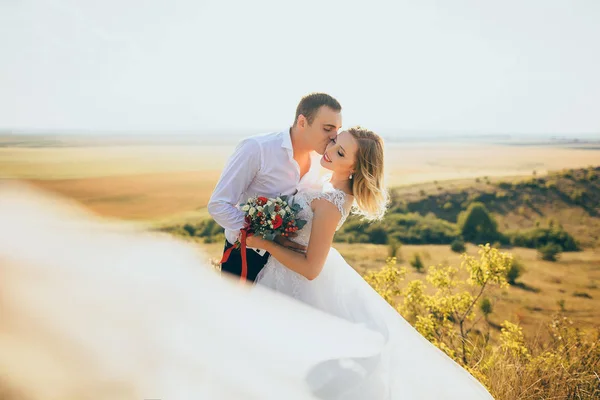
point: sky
(456, 66)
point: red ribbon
(227, 253)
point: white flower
(259, 208)
(273, 216)
(279, 199)
(269, 203)
(282, 212)
(246, 207)
(288, 209)
(252, 211)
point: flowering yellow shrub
(444, 310)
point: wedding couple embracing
(307, 268)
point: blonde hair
(368, 179)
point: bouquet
(271, 217)
(268, 218)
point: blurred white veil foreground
(91, 309)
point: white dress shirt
(261, 165)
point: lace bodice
(278, 276)
(305, 199)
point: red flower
(277, 221)
(261, 201)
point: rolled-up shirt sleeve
(239, 172)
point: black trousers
(255, 261)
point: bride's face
(340, 154)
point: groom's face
(323, 129)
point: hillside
(568, 200)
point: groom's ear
(301, 121)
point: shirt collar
(286, 139)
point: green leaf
(269, 236)
(300, 223)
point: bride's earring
(350, 177)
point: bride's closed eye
(334, 141)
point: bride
(409, 366)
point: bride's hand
(285, 242)
(256, 242)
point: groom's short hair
(311, 103)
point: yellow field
(174, 181)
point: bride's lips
(326, 157)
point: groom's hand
(285, 242)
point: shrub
(514, 271)
(393, 248)
(512, 367)
(550, 252)
(411, 228)
(191, 230)
(458, 246)
(377, 234)
(584, 295)
(417, 263)
(538, 237)
(207, 229)
(477, 224)
(486, 307)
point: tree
(377, 234)
(477, 225)
(448, 315)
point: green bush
(207, 229)
(486, 307)
(394, 248)
(538, 237)
(411, 228)
(377, 234)
(458, 245)
(417, 263)
(550, 252)
(514, 271)
(477, 225)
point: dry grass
(138, 197)
(532, 303)
(159, 182)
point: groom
(271, 165)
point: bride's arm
(309, 264)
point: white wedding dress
(96, 310)
(408, 366)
